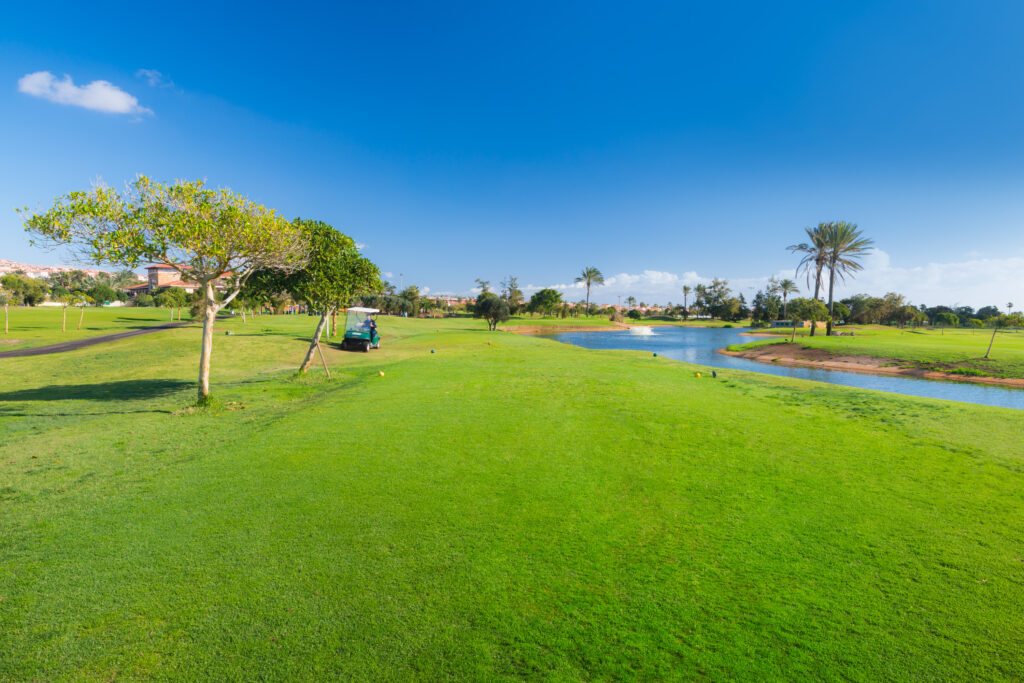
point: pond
(700, 345)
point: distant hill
(7, 266)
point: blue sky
(663, 143)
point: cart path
(89, 341)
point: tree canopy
(334, 274)
(545, 300)
(215, 238)
(491, 308)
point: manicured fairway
(39, 326)
(505, 507)
(955, 350)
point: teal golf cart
(360, 330)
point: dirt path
(90, 341)
(797, 355)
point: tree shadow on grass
(125, 390)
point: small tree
(944, 319)
(64, 298)
(103, 293)
(811, 310)
(545, 301)
(7, 298)
(81, 299)
(215, 238)
(491, 308)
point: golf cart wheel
(366, 347)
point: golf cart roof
(360, 309)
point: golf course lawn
(951, 350)
(504, 507)
(40, 326)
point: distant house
(159, 276)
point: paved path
(90, 341)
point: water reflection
(699, 346)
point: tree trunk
(831, 303)
(243, 315)
(588, 299)
(994, 329)
(209, 315)
(81, 317)
(64, 319)
(6, 329)
(334, 322)
(793, 339)
(308, 360)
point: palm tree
(785, 288)
(590, 276)
(123, 279)
(686, 293)
(815, 253)
(631, 301)
(845, 244)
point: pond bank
(795, 355)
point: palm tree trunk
(64, 319)
(81, 317)
(831, 303)
(6, 329)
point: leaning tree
(214, 238)
(335, 273)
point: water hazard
(700, 345)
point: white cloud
(388, 273)
(362, 245)
(153, 78)
(972, 282)
(98, 96)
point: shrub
(144, 300)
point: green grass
(957, 351)
(40, 326)
(506, 507)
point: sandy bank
(796, 355)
